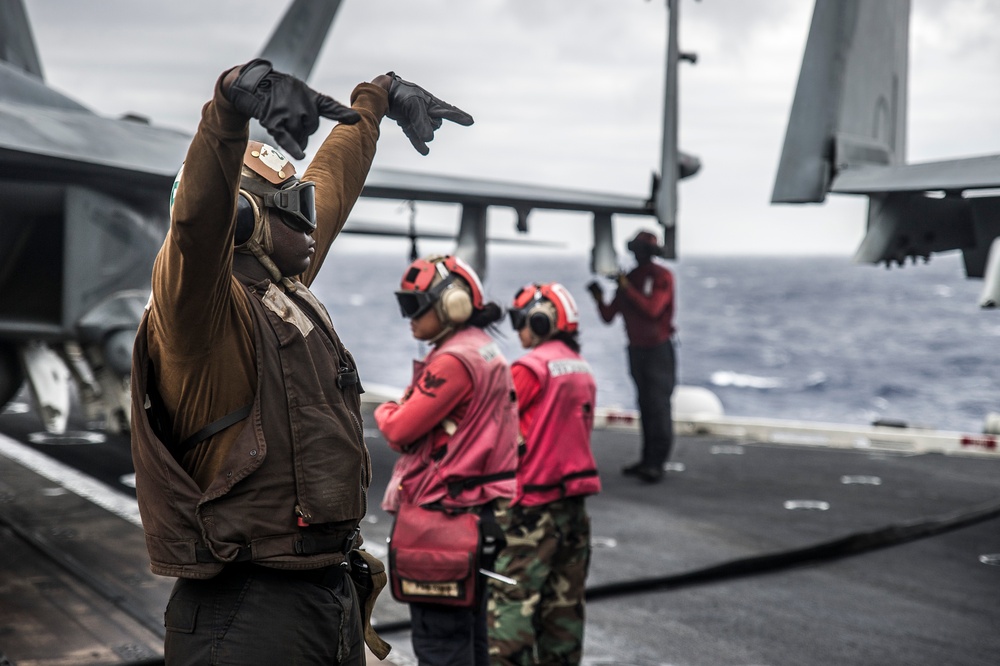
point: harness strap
(156, 412)
(456, 487)
(214, 427)
(560, 484)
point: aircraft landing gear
(11, 375)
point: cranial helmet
(267, 181)
(546, 309)
(445, 283)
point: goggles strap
(265, 231)
(265, 261)
(260, 246)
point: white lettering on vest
(489, 352)
(568, 367)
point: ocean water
(806, 338)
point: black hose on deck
(852, 544)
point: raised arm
(442, 386)
(192, 271)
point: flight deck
(749, 552)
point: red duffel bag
(434, 557)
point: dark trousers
(654, 372)
(254, 615)
(447, 636)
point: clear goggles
(297, 202)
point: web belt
(559, 485)
(456, 487)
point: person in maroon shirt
(645, 299)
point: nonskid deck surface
(866, 600)
(75, 585)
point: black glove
(285, 106)
(420, 113)
(595, 290)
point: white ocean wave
(738, 380)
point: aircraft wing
(366, 228)
(395, 184)
(972, 173)
(37, 139)
(475, 196)
(48, 143)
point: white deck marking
(87, 487)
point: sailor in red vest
(541, 619)
(456, 430)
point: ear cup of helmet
(540, 322)
(455, 305)
(247, 219)
(252, 224)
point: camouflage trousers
(540, 620)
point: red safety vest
(557, 461)
(478, 463)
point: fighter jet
(847, 135)
(84, 209)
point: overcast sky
(564, 92)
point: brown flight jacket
(217, 345)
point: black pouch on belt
(369, 577)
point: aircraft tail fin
(665, 191)
(675, 165)
(850, 101)
(296, 42)
(17, 46)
